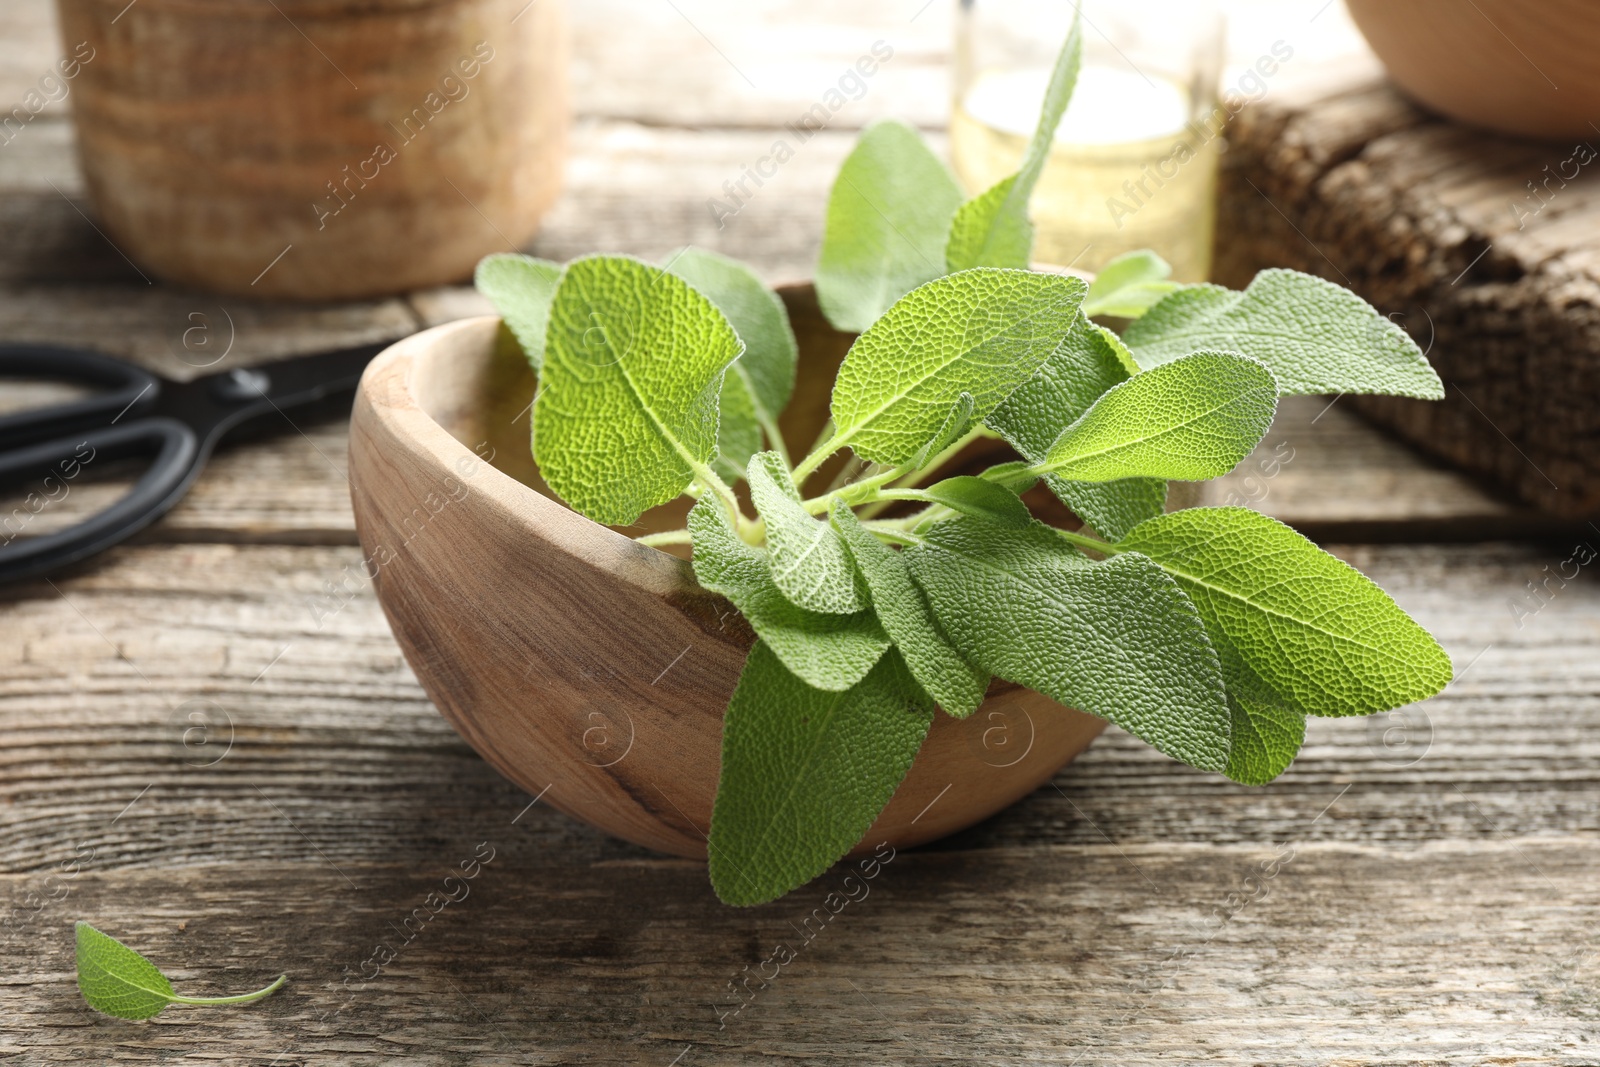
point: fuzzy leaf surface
(1319, 634)
(627, 404)
(809, 561)
(993, 229)
(1192, 419)
(1117, 638)
(982, 332)
(805, 772)
(116, 980)
(1083, 367)
(831, 652)
(888, 215)
(1127, 286)
(521, 289)
(935, 664)
(1315, 336)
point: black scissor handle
(124, 391)
(177, 461)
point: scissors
(133, 413)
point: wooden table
(251, 788)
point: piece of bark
(1437, 225)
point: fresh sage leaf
(1117, 639)
(1078, 372)
(1193, 419)
(117, 981)
(809, 561)
(1315, 336)
(738, 429)
(982, 498)
(1312, 628)
(759, 383)
(987, 231)
(993, 229)
(1127, 286)
(626, 414)
(831, 652)
(982, 332)
(1017, 476)
(521, 289)
(955, 426)
(888, 216)
(1267, 732)
(955, 684)
(805, 772)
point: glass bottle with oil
(1134, 164)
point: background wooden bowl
(318, 149)
(1520, 67)
(575, 659)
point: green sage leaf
(805, 772)
(1193, 419)
(1267, 732)
(627, 404)
(1316, 337)
(1319, 634)
(1078, 372)
(831, 652)
(115, 980)
(521, 289)
(993, 229)
(1117, 639)
(958, 686)
(982, 332)
(955, 426)
(1129, 285)
(982, 498)
(888, 216)
(809, 561)
(759, 383)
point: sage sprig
(1210, 633)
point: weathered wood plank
(1091, 955)
(285, 650)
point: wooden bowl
(576, 660)
(318, 149)
(1520, 67)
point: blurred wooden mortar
(318, 149)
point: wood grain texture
(1437, 225)
(318, 150)
(1437, 911)
(1097, 955)
(1437, 906)
(288, 643)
